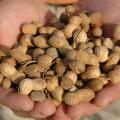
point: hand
(13, 13)
(111, 92)
(108, 10)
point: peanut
(112, 61)
(27, 85)
(102, 53)
(26, 40)
(52, 83)
(79, 96)
(44, 61)
(90, 73)
(51, 51)
(96, 19)
(38, 96)
(59, 67)
(115, 75)
(37, 52)
(108, 43)
(7, 70)
(29, 29)
(116, 34)
(6, 83)
(40, 42)
(97, 84)
(57, 93)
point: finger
(81, 109)
(106, 96)
(15, 101)
(43, 110)
(60, 114)
(25, 114)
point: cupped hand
(111, 17)
(13, 13)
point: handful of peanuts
(67, 61)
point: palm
(107, 95)
(13, 14)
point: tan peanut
(112, 61)
(6, 83)
(116, 48)
(69, 29)
(97, 32)
(97, 84)
(85, 19)
(79, 96)
(46, 30)
(116, 34)
(16, 78)
(72, 75)
(29, 28)
(76, 66)
(49, 73)
(52, 83)
(115, 75)
(59, 67)
(66, 83)
(90, 73)
(108, 43)
(58, 39)
(10, 61)
(98, 42)
(70, 9)
(96, 19)
(27, 85)
(33, 70)
(40, 42)
(20, 56)
(57, 93)
(79, 84)
(83, 57)
(7, 70)
(38, 96)
(44, 61)
(51, 51)
(102, 53)
(63, 50)
(79, 36)
(26, 40)
(37, 52)
(89, 50)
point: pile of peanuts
(67, 61)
